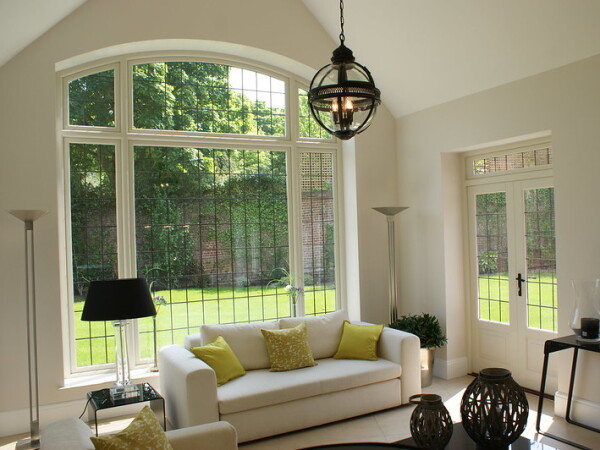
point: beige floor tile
(391, 425)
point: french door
(513, 268)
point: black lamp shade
(126, 298)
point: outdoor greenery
(542, 300)
(180, 317)
(425, 326)
(211, 224)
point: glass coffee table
(460, 441)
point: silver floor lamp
(390, 212)
(28, 216)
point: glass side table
(556, 345)
(100, 400)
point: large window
(211, 182)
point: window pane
(212, 230)
(492, 257)
(512, 161)
(318, 232)
(92, 100)
(207, 97)
(308, 126)
(94, 242)
(542, 298)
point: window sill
(142, 374)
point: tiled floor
(393, 425)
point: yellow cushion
(221, 358)
(143, 432)
(359, 341)
(288, 349)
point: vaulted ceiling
(420, 52)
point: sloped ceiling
(23, 21)
(420, 52)
(426, 52)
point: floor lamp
(390, 212)
(28, 216)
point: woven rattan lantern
(342, 95)
(494, 409)
(430, 423)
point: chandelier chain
(342, 36)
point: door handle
(520, 281)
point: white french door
(513, 273)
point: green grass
(542, 300)
(187, 309)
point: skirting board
(583, 411)
(453, 368)
(17, 421)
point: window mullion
(294, 193)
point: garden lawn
(187, 309)
(542, 300)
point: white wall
(565, 101)
(30, 170)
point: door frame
(521, 369)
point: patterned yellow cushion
(288, 349)
(359, 342)
(221, 358)
(143, 432)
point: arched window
(209, 179)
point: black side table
(101, 400)
(556, 345)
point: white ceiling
(425, 52)
(23, 21)
(420, 52)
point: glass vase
(585, 318)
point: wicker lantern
(494, 409)
(430, 423)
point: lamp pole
(390, 213)
(28, 216)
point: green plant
(425, 326)
(488, 262)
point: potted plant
(428, 329)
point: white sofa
(74, 434)
(264, 403)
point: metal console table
(556, 345)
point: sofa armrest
(403, 348)
(67, 434)
(189, 387)
(210, 436)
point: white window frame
(124, 137)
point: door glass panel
(492, 257)
(542, 300)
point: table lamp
(119, 301)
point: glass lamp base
(120, 392)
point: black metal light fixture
(342, 96)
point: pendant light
(342, 96)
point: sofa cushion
(359, 342)
(288, 349)
(221, 358)
(245, 339)
(260, 388)
(143, 432)
(324, 332)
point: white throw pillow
(245, 339)
(324, 332)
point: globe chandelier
(342, 97)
